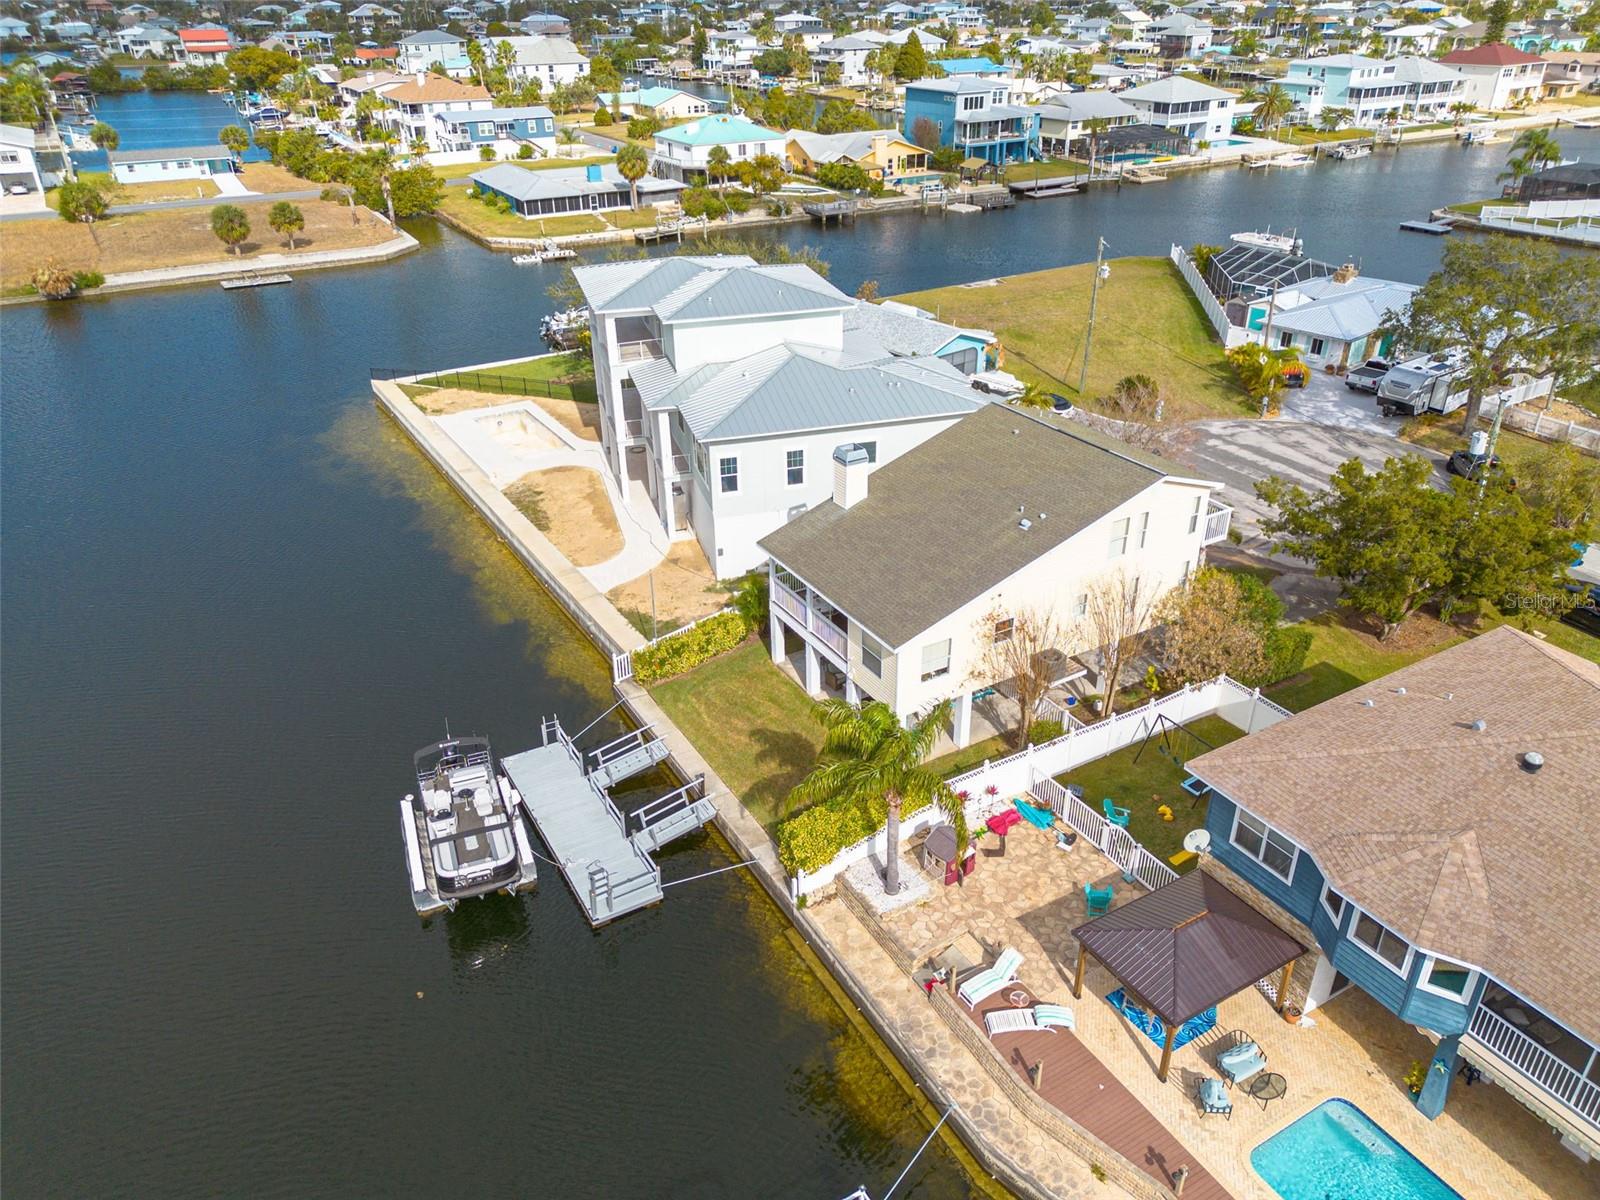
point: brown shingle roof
(1438, 829)
(434, 89)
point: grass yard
(140, 193)
(1584, 395)
(568, 375)
(269, 177)
(463, 170)
(752, 723)
(1304, 135)
(1147, 322)
(1025, 172)
(460, 209)
(175, 237)
(1521, 454)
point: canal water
(160, 120)
(233, 601)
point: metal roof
(169, 153)
(1188, 946)
(695, 288)
(1345, 311)
(520, 184)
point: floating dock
(1042, 188)
(252, 281)
(1437, 228)
(604, 857)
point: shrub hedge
(685, 651)
(810, 840)
(1044, 731)
(1286, 647)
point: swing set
(1178, 743)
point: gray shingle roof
(168, 153)
(938, 527)
(901, 331)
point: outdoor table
(1267, 1087)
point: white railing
(1136, 863)
(641, 351)
(1547, 428)
(789, 601)
(622, 663)
(1018, 774)
(830, 635)
(1536, 1064)
(1232, 335)
(1577, 219)
(1218, 517)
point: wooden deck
(1079, 1085)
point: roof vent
(1400, 691)
(1449, 695)
(1532, 760)
(1368, 704)
(1479, 725)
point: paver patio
(1485, 1144)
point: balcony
(644, 350)
(789, 602)
(1535, 1065)
(830, 635)
(1218, 517)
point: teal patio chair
(1117, 816)
(1214, 1098)
(1098, 900)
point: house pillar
(963, 719)
(1441, 1070)
(813, 670)
(775, 635)
(852, 694)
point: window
(1381, 942)
(1285, 340)
(1081, 608)
(1446, 977)
(744, 149)
(872, 450)
(1334, 903)
(1194, 517)
(872, 653)
(728, 473)
(935, 660)
(1316, 346)
(1004, 628)
(1264, 844)
(794, 463)
(1119, 537)
(485, 128)
(1144, 528)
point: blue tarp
(1039, 818)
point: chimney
(1345, 273)
(421, 75)
(879, 142)
(849, 475)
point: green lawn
(1025, 172)
(566, 376)
(1585, 395)
(1520, 453)
(484, 221)
(1304, 135)
(1147, 322)
(753, 725)
(462, 170)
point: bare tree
(1119, 609)
(1014, 647)
(1211, 629)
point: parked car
(18, 189)
(1585, 617)
(1060, 403)
(1296, 375)
(1470, 466)
(1365, 377)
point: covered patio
(1183, 949)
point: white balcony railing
(789, 602)
(1536, 1064)
(1218, 518)
(830, 635)
(640, 351)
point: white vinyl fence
(994, 785)
(1230, 334)
(1540, 424)
(622, 662)
(1576, 219)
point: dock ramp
(671, 816)
(635, 751)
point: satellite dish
(1197, 841)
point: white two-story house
(899, 585)
(410, 108)
(725, 386)
(1498, 76)
(1198, 111)
(684, 151)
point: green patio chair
(1098, 900)
(1117, 816)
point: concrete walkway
(231, 185)
(122, 210)
(507, 441)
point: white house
(1197, 110)
(899, 584)
(683, 151)
(410, 107)
(146, 41)
(169, 163)
(1498, 76)
(1179, 35)
(550, 60)
(1336, 320)
(729, 50)
(663, 102)
(419, 51)
(1410, 39)
(1063, 120)
(724, 386)
(849, 53)
(19, 165)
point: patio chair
(1241, 1060)
(1214, 1098)
(1098, 900)
(1117, 816)
(987, 982)
(1041, 1017)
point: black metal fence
(490, 381)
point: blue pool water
(1336, 1152)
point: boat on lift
(464, 830)
(1283, 243)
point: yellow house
(881, 153)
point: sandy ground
(153, 192)
(570, 507)
(177, 237)
(685, 586)
(438, 402)
(269, 177)
(582, 420)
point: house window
(1119, 537)
(1144, 528)
(1285, 340)
(795, 467)
(1446, 977)
(1264, 844)
(728, 473)
(1004, 628)
(1194, 517)
(872, 654)
(935, 660)
(1334, 903)
(1381, 942)
(744, 149)
(1081, 608)
(485, 128)
(1317, 345)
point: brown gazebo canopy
(1186, 947)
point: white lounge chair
(1048, 1017)
(986, 983)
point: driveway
(1326, 401)
(1240, 453)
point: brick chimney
(1345, 273)
(849, 475)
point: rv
(1427, 383)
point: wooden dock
(841, 209)
(609, 869)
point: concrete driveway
(1326, 401)
(1240, 453)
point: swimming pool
(1336, 1152)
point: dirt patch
(1420, 633)
(439, 402)
(569, 506)
(174, 238)
(269, 177)
(685, 588)
(583, 420)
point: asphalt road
(119, 210)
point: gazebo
(1184, 948)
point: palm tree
(717, 163)
(1032, 396)
(632, 163)
(476, 60)
(1096, 128)
(286, 220)
(1532, 150)
(231, 226)
(1274, 105)
(105, 137)
(868, 756)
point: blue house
(1437, 845)
(975, 116)
(505, 129)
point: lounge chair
(1241, 1060)
(1117, 816)
(1214, 1098)
(987, 982)
(1098, 900)
(1046, 1017)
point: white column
(813, 670)
(852, 693)
(775, 635)
(963, 719)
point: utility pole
(1100, 273)
(1266, 340)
